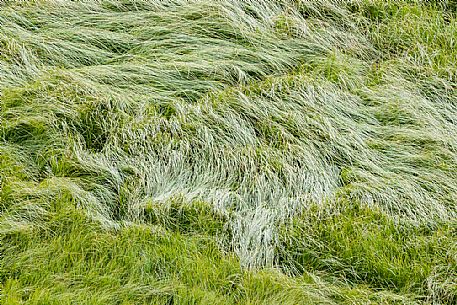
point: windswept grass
(228, 152)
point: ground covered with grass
(228, 152)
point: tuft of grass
(363, 245)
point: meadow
(228, 152)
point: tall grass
(275, 118)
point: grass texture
(228, 152)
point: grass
(382, 252)
(228, 152)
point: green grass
(228, 152)
(366, 246)
(149, 264)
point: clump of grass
(215, 123)
(367, 246)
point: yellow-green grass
(228, 152)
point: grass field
(228, 152)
